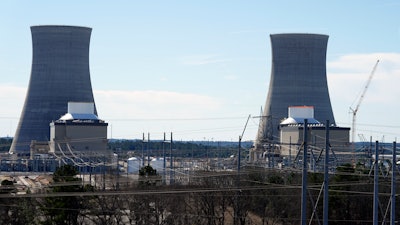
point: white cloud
(347, 77)
(123, 108)
(129, 113)
(11, 99)
(153, 104)
(354, 62)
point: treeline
(179, 148)
(255, 196)
(5, 144)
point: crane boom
(355, 110)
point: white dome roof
(291, 120)
(79, 116)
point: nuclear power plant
(59, 118)
(59, 126)
(298, 77)
(60, 74)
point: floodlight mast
(355, 110)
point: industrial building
(298, 90)
(78, 132)
(79, 137)
(292, 130)
(291, 135)
(298, 77)
(59, 74)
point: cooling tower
(298, 77)
(59, 74)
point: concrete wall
(292, 138)
(82, 138)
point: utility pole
(393, 191)
(326, 175)
(236, 215)
(304, 177)
(143, 151)
(163, 149)
(104, 173)
(118, 152)
(240, 144)
(148, 149)
(171, 162)
(376, 186)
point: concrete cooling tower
(298, 77)
(59, 74)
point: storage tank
(157, 164)
(114, 161)
(134, 165)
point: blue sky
(199, 68)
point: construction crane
(355, 110)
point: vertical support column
(370, 151)
(164, 160)
(143, 151)
(269, 155)
(207, 159)
(304, 178)
(239, 156)
(326, 174)
(117, 186)
(290, 151)
(273, 155)
(236, 208)
(104, 173)
(148, 149)
(376, 186)
(393, 193)
(171, 162)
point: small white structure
(157, 164)
(134, 165)
(114, 161)
(297, 114)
